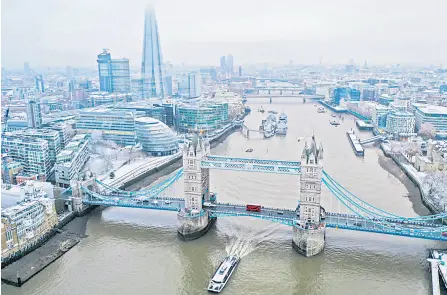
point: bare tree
(436, 182)
(427, 131)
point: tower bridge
(197, 210)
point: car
(168, 202)
(155, 202)
(358, 224)
(279, 212)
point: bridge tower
(309, 232)
(193, 221)
(78, 195)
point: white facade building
(435, 115)
(71, 160)
(190, 85)
(401, 123)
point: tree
(436, 182)
(427, 131)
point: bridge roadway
(251, 164)
(286, 216)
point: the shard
(152, 69)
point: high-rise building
(114, 74)
(240, 71)
(33, 113)
(230, 64)
(190, 85)
(223, 64)
(51, 136)
(152, 68)
(39, 84)
(168, 86)
(33, 153)
(26, 67)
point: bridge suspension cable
(378, 210)
(149, 192)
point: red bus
(255, 208)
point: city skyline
(198, 34)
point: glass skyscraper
(152, 69)
(114, 74)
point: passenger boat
(320, 110)
(269, 129)
(281, 129)
(261, 110)
(334, 123)
(223, 273)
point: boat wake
(245, 243)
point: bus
(254, 208)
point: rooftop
(432, 109)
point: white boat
(320, 110)
(281, 129)
(223, 273)
(269, 129)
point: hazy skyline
(198, 32)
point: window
(9, 235)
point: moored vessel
(281, 129)
(223, 273)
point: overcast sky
(197, 32)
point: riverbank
(22, 270)
(415, 178)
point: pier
(363, 125)
(434, 276)
(355, 143)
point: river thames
(135, 251)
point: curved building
(152, 69)
(205, 116)
(155, 137)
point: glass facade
(435, 115)
(203, 116)
(114, 74)
(190, 85)
(118, 126)
(155, 137)
(33, 113)
(51, 136)
(152, 68)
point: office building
(156, 138)
(210, 72)
(115, 125)
(152, 68)
(33, 113)
(155, 111)
(100, 98)
(202, 116)
(51, 136)
(38, 80)
(223, 64)
(190, 85)
(169, 86)
(379, 114)
(65, 130)
(137, 88)
(26, 67)
(401, 123)
(71, 160)
(114, 74)
(435, 115)
(240, 71)
(27, 222)
(33, 153)
(10, 171)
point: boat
(334, 123)
(249, 150)
(320, 110)
(272, 119)
(333, 115)
(273, 112)
(223, 273)
(269, 130)
(281, 129)
(247, 109)
(261, 110)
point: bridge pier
(308, 242)
(191, 227)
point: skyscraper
(38, 80)
(223, 64)
(33, 113)
(190, 85)
(114, 74)
(152, 70)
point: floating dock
(355, 143)
(362, 125)
(440, 256)
(434, 276)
